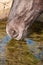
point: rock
(5, 8)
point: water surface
(16, 52)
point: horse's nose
(14, 33)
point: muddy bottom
(16, 52)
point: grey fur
(22, 15)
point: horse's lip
(15, 36)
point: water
(14, 52)
(34, 48)
(3, 43)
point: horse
(22, 14)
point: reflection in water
(5, 40)
(18, 54)
(3, 43)
(13, 52)
(33, 47)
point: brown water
(17, 52)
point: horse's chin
(19, 37)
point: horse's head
(22, 15)
(16, 27)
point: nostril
(14, 32)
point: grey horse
(22, 14)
